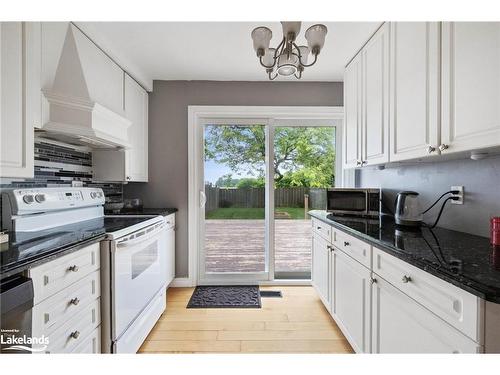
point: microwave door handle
(145, 237)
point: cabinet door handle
(364, 162)
(373, 280)
(128, 178)
(75, 334)
(443, 147)
(346, 243)
(318, 228)
(331, 248)
(406, 279)
(73, 268)
(358, 163)
(431, 149)
(74, 301)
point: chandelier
(288, 58)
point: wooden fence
(255, 197)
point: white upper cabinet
(375, 89)
(20, 96)
(414, 90)
(136, 110)
(352, 105)
(470, 86)
(131, 164)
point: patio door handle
(203, 199)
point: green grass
(252, 213)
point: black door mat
(271, 293)
(225, 296)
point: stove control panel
(29, 201)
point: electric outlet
(460, 195)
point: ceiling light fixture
(288, 58)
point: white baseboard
(181, 282)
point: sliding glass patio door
(259, 178)
(235, 215)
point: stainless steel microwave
(355, 202)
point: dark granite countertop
(144, 211)
(28, 249)
(464, 260)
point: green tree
(303, 156)
(251, 183)
(227, 181)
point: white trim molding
(181, 282)
(197, 117)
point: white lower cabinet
(170, 248)
(67, 302)
(401, 325)
(351, 300)
(320, 274)
(386, 305)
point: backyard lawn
(255, 213)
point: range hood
(75, 114)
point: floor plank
(298, 322)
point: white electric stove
(133, 255)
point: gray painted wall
(168, 135)
(481, 181)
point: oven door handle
(143, 238)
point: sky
(214, 170)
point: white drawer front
(90, 344)
(51, 277)
(322, 229)
(170, 220)
(454, 305)
(53, 312)
(356, 249)
(68, 337)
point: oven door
(138, 266)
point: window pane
(235, 192)
(304, 167)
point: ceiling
(219, 51)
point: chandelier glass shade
(288, 58)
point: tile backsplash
(57, 165)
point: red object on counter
(495, 231)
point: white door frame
(197, 117)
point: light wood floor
(298, 322)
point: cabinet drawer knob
(346, 243)
(75, 334)
(331, 248)
(373, 280)
(358, 163)
(406, 279)
(431, 149)
(73, 268)
(443, 147)
(318, 228)
(74, 301)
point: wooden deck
(238, 245)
